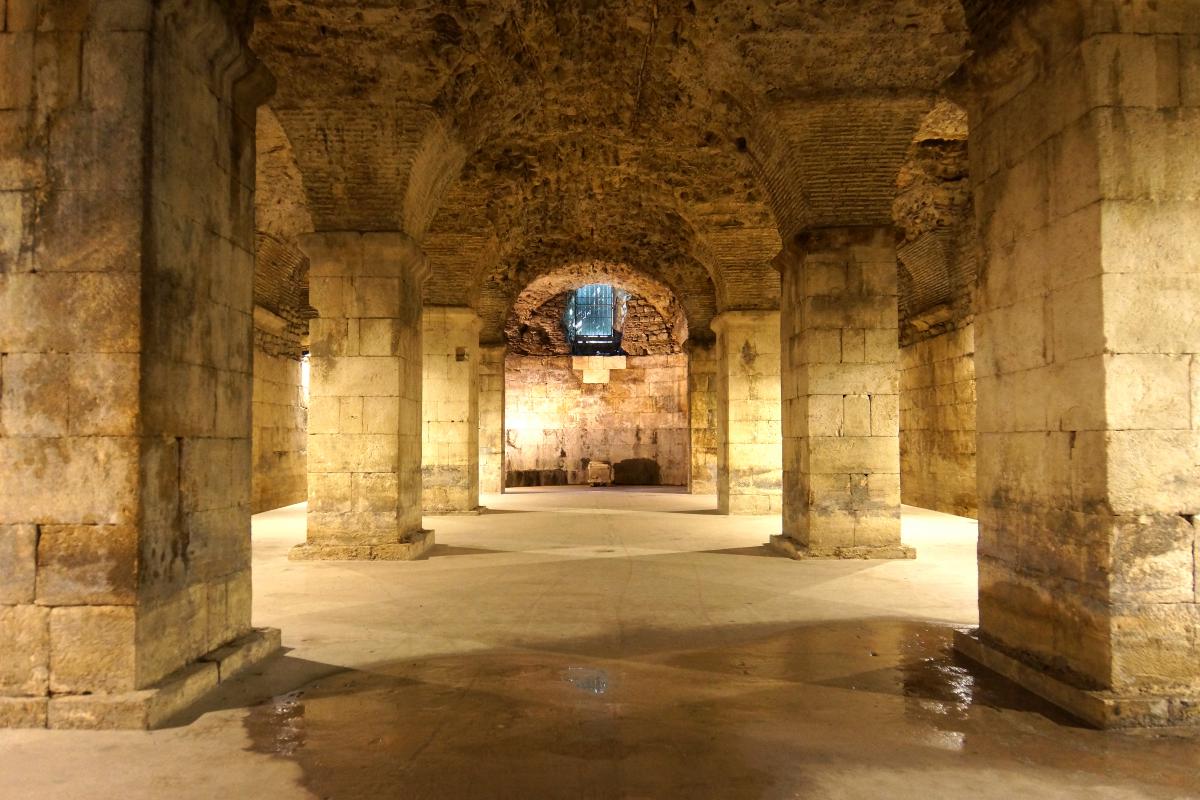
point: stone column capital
(837, 237)
(366, 254)
(744, 318)
(456, 315)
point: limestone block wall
(450, 409)
(491, 418)
(365, 424)
(280, 410)
(555, 422)
(1087, 339)
(749, 436)
(126, 263)
(702, 417)
(197, 355)
(937, 422)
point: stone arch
(932, 211)
(686, 282)
(544, 288)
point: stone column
(491, 418)
(1087, 182)
(450, 407)
(126, 264)
(749, 454)
(841, 473)
(364, 414)
(702, 417)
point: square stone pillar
(1086, 172)
(702, 417)
(364, 413)
(749, 449)
(450, 407)
(841, 471)
(491, 418)
(126, 268)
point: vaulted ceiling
(681, 138)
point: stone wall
(937, 422)
(555, 422)
(126, 264)
(491, 419)
(280, 412)
(748, 408)
(450, 410)
(702, 417)
(937, 256)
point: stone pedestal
(1087, 182)
(841, 472)
(491, 418)
(126, 264)
(749, 455)
(364, 416)
(450, 407)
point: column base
(751, 505)
(793, 549)
(145, 708)
(1101, 709)
(455, 512)
(415, 546)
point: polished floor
(607, 643)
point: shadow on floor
(445, 550)
(762, 550)
(733, 711)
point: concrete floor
(607, 643)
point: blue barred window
(593, 319)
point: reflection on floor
(611, 643)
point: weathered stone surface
(125, 329)
(366, 409)
(280, 414)
(840, 420)
(937, 422)
(95, 480)
(87, 565)
(491, 418)
(702, 410)
(556, 422)
(413, 547)
(25, 658)
(748, 412)
(92, 649)
(23, 712)
(450, 407)
(1087, 456)
(243, 653)
(18, 563)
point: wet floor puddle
(752, 715)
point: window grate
(592, 312)
(594, 317)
